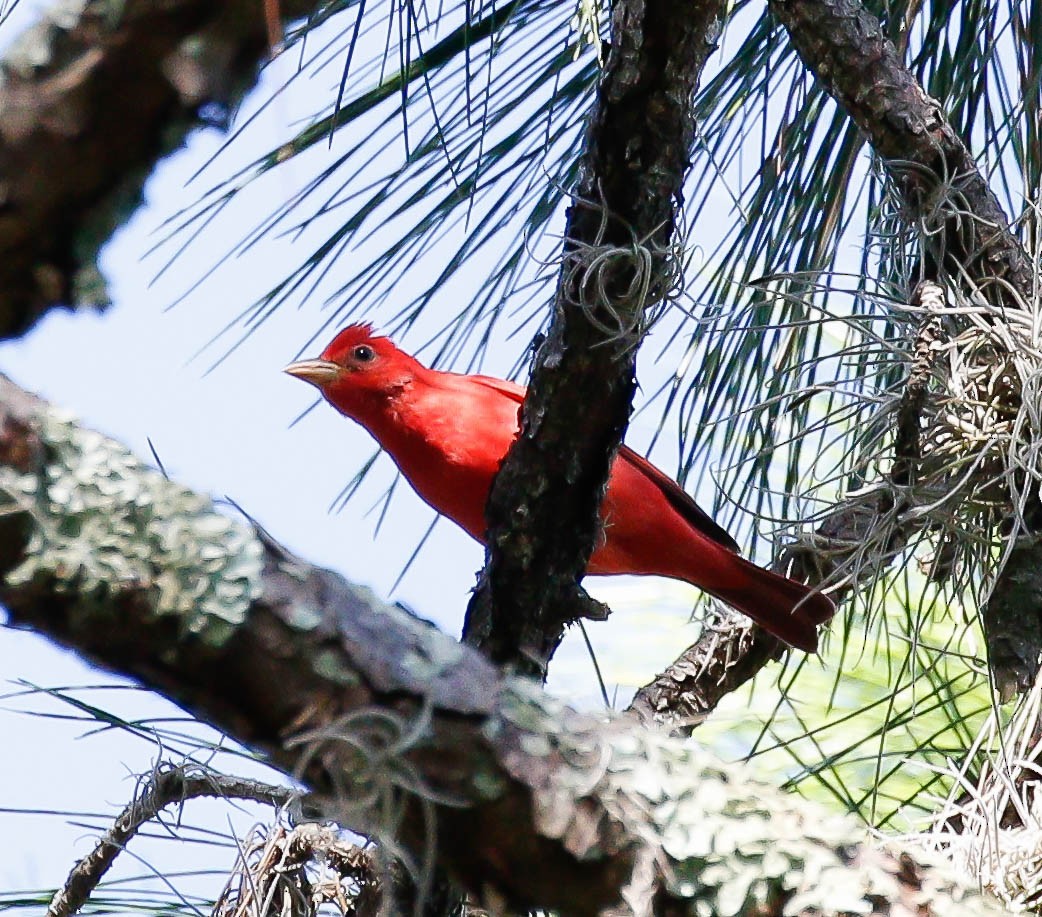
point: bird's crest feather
(351, 336)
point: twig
(166, 785)
(907, 449)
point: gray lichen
(105, 523)
(35, 47)
(706, 830)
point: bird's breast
(449, 456)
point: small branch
(858, 537)
(930, 297)
(165, 786)
(728, 654)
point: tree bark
(88, 105)
(543, 511)
(938, 179)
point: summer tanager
(448, 434)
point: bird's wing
(678, 498)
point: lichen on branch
(101, 522)
(533, 804)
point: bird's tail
(789, 610)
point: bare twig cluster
(295, 872)
(167, 785)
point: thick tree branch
(87, 108)
(543, 508)
(396, 728)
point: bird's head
(357, 369)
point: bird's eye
(363, 353)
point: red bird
(448, 434)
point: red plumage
(448, 433)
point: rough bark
(528, 803)
(90, 99)
(723, 659)
(543, 509)
(1013, 620)
(848, 51)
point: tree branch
(87, 108)
(936, 175)
(164, 787)
(729, 653)
(543, 509)
(944, 191)
(398, 731)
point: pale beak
(317, 372)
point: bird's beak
(318, 372)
